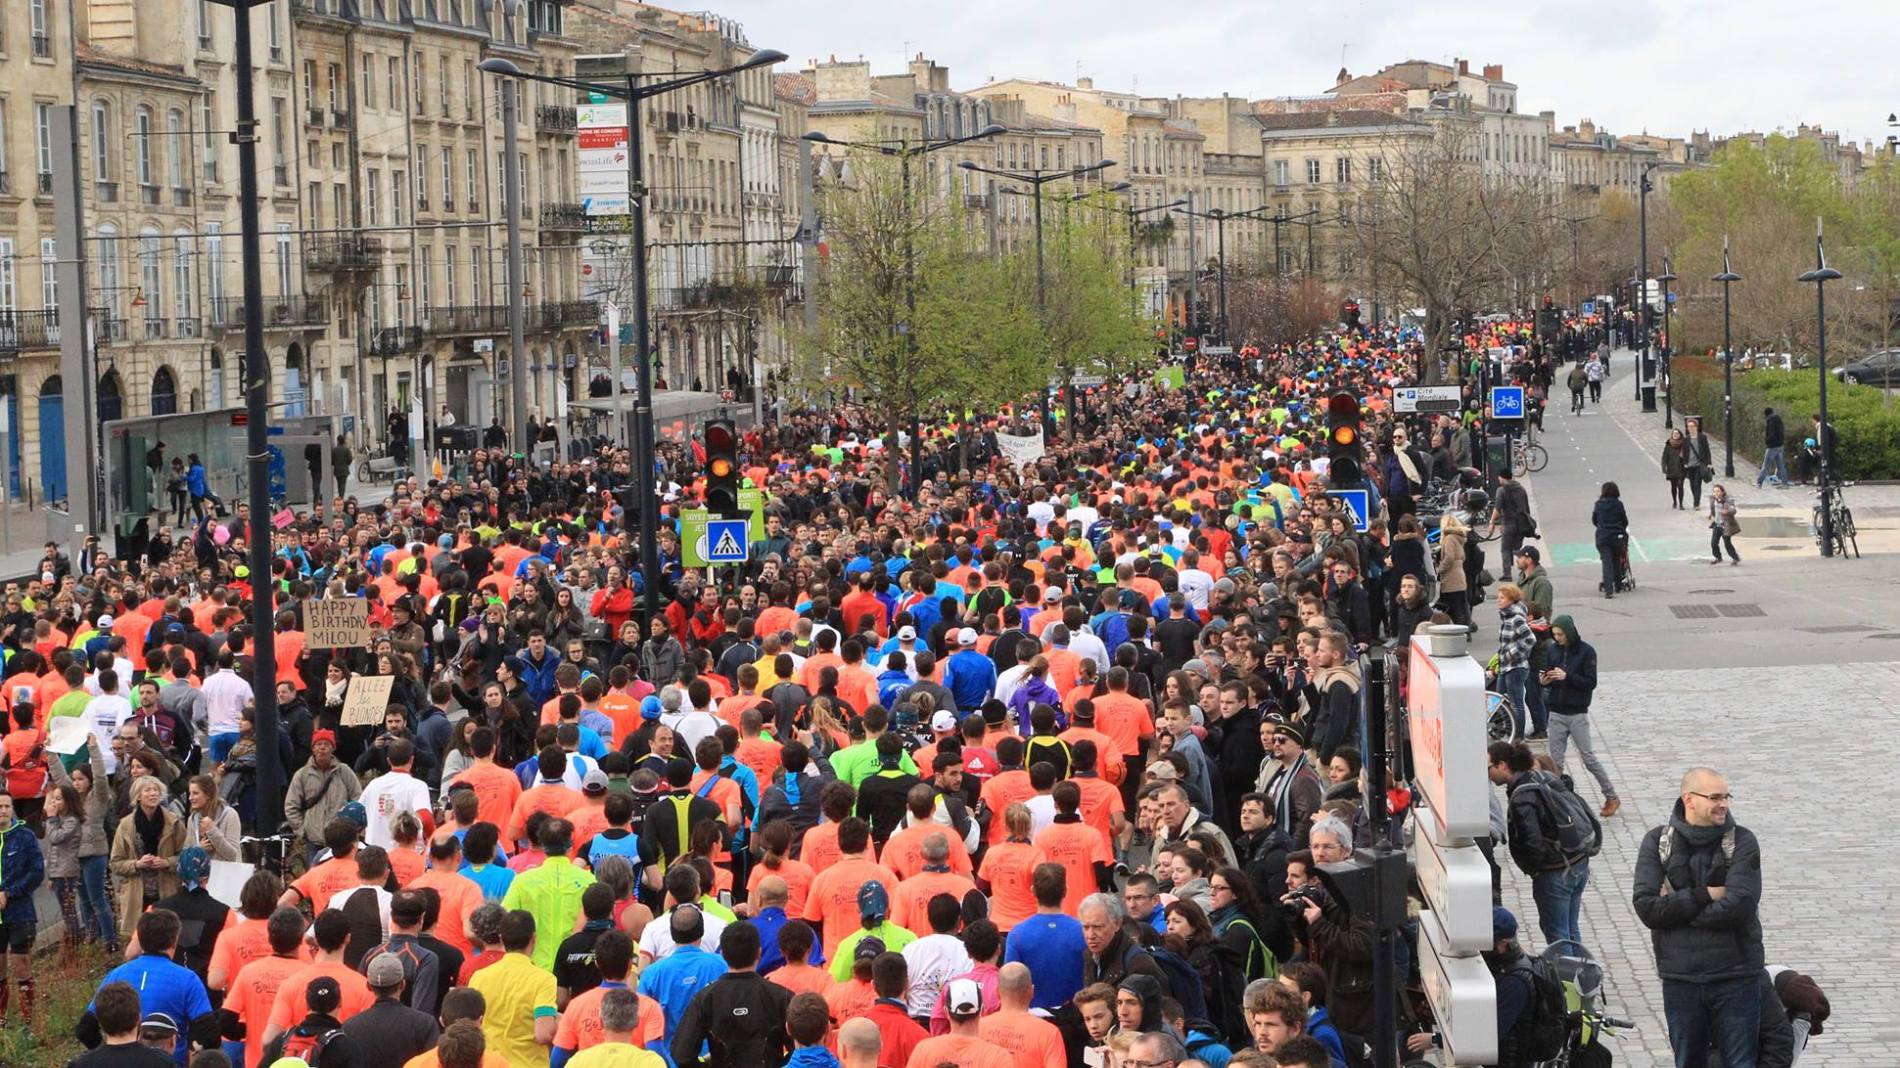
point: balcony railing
(395, 341)
(42, 45)
(339, 118)
(6, 182)
(189, 326)
(280, 313)
(108, 192)
(976, 201)
(466, 319)
(567, 314)
(21, 331)
(181, 197)
(342, 254)
(46, 183)
(554, 118)
(111, 328)
(563, 217)
(156, 326)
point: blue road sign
(1507, 402)
(1360, 501)
(725, 541)
(1671, 298)
(1588, 307)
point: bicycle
(1500, 718)
(270, 853)
(1582, 979)
(1527, 455)
(1834, 505)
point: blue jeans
(221, 746)
(1559, 898)
(1540, 714)
(1512, 684)
(1724, 1015)
(1774, 464)
(96, 899)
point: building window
(373, 197)
(309, 83)
(442, 87)
(41, 29)
(142, 122)
(1280, 170)
(398, 196)
(49, 274)
(474, 178)
(448, 179)
(181, 276)
(425, 280)
(449, 272)
(336, 89)
(207, 114)
(43, 135)
(283, 261)
(422, 180)
(108, 256)
(101, 141)
(9, 293)
(214, 263)
(1375, 169)
(151, 279)
(395, 82)
(1312, 172)
(175, 148)
(280, 123)
(1342, 170)
(316, 206)
(421, 104)
(276, 33)
(204, 25)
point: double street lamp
(904, 150)
(631, 90)
(1646, 370)
(1728, 277)
(1220, 230)
(1035, 178)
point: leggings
(1675, 492)
(66, 889)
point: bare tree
(1437, 232)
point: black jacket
(1609, 519)
(1571, 694)
(1697, 938)
(394, 1031)
(1772, 433)
(743, 1016)
(1121, 958)
(1532, 846)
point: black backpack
(1571, 824)
(1544, 1027)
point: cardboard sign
(366, 700)
(67, 735)
(336, 623)
(1020, 449)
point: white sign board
(1462, 993)
(1446, 719)
(1456, 882)
(67, 735)
(1020, 449)
(1427, 399)
(601, 158)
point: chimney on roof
(1343, 77)
(1464, 66)
(1085, 83)
(1494, 72)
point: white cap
(105, 621)
(963, 997)
(944, 721)
(907, 634)
(966, 636)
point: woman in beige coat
(1453, 591)
(145, 852)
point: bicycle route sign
(1507, 402)
(1427, 399)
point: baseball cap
(966, 636)
(595, 782)
(944, 721)
(385, 971)
(907, 634)
(649, 707)
(155, 1023)
(1161, 771)
(1531, 552)
(105, 621)
(1051, 595)
(868, 948)
(355, 813)
(874, 902)
(963, 998)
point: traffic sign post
(726, 541)
(1424, 399)
(1507, 402)
(1360, 501)
(1588, 307)
(1445, 721)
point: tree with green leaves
(914, 317)
(1090, 325)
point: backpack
(305, 1046)
(1544, 1027)
(1571, 823)
(1183, 979)
(1666, 844)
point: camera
(1297, 901)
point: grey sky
(1720, 65)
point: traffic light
(722, 468)
(1342, 440)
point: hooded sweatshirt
(1570, 695)
(1148, 989)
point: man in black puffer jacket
(1698, 889)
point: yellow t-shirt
(517, 994)
(616, 1055)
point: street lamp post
(1646, 369)
(640, 489)
(1821, 275)
(271, 782)
(905, 150)
(1668, 340)
(1036, 178)
(1728, 277)
(1133, 215)
(1220, 218)
(517, 303)
(1280, 218)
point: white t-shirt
(691, 727)
(656, 941)
(1042, 813)
(1195, 586)
(934, 960)
(226, 694)
(384, 797)
(104, 714)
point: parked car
(1875, 369)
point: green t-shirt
(895, 938)
(856, 763)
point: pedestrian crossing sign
(726, 541)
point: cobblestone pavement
(1828, 900)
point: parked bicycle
(1834, 505)
(1528, 455)
(1589, 1024)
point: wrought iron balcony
(395, 341)
(555, 119)
(22, 331)
(356, 253)
(466, 319)
(280, 313)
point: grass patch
(64, 981)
